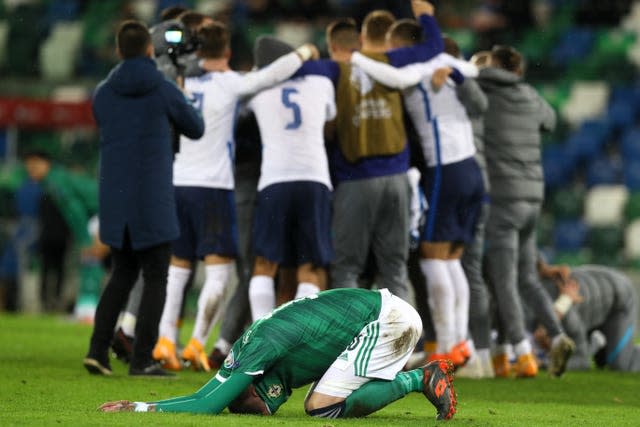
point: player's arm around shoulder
(278, 71)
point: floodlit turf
(42, 382)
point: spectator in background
(134, 109)
(68, 200)
(21, 246)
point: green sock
(376, 394)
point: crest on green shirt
(274, 391)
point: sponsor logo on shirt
(371, 109)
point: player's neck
(371, 47)
(215, 64)
(341, 56)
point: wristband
(304, 52)
(140, 407)
(563, 304)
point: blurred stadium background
(582, 55)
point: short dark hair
(451, 46)
(376, 24)
(344, 33)
(132, 39)
(213, 40)
(193, 20)
(507, 58)
(406, 32)
(172, 12)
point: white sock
(176, 281)
(441, 302)
(523, 347)
(262, 296)
(306, 289)
(128, 324)
(461, 289)
(210, 301)
(484, 354)
(223, 345)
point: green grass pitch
(42, 382)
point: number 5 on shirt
(295, 108)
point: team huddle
(335, 200)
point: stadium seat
(557, 166)
(606, 245)
(604, 171)
(145, 10)
(4, 34)
(621, 114)
(632, 207)
(632, 240)
(544, 230)
(604, 205)
(614, 43)
(23, 40)
(209, 7)
(293, 33)
(62, 10)
(586, 143)
(569, 235)
(587, 100)
(567, 203)
(631, 22)
(630, 144)
(575, 44)
(59, 53)
(573, 258)
(631, 174)
(555, 94)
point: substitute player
(351, 342)
(203, 181)
(292, 219)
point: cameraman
(135, 108)
(177, 58)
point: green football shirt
(297, 342)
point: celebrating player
(455, 187)
(203, 179)
(351, 342)
(292, 219)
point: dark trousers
(154, 262)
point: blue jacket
(134, 108)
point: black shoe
(96, 367)
(122, 346)
(154, 369)
(438, 387)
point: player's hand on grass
(421, 7)
(117, 406)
